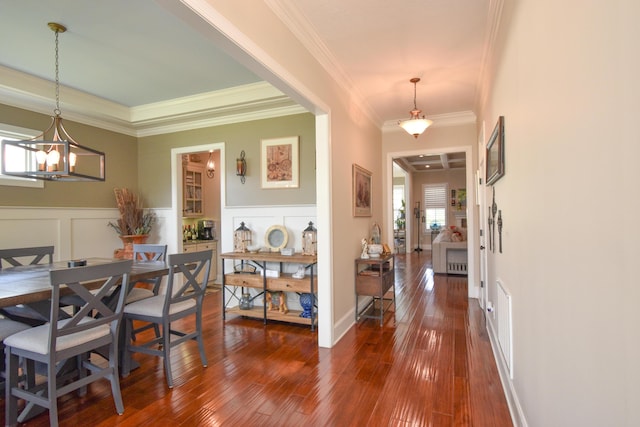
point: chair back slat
(34, 255)
(149, 252)
(98, 308)
(191, 265)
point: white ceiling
(138, 57)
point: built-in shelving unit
(193, 191)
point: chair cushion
(137, 294)
(37, 339)
(10, 327)
(153, 306)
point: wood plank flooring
(429, 365)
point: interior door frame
(472, 230)
(175, 228)
(481, 199)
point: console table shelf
(375, 277)
(232, 282)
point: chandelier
(53, 155)
(416, 124)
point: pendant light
(416, 124)
(58, 158)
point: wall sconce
(211, 166)
(241, 167)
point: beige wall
(565, 77)
(120, 162)
(155, 160)
(346, 137)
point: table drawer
(246, 280)
(289, 284)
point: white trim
(234, 105)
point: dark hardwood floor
(429, 365)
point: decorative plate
(276, 238)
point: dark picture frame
(362, 191)
(495, 153)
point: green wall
(145, 166)
(121, 158)
(154, 160)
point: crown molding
(244, 103)
(302, 29)
(440, 120)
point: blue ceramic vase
(306, 302)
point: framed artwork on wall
(361, 191)
(280, 163)
(495, 153)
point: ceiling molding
(305, 32)
(440, 120)
(243, 103)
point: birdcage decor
(241, 238)
(310, 240)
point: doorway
(442, 154)
(177, 214)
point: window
(435, 202)
(398, 206)
(17, 157)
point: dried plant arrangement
(133, 220)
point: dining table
(28, 284)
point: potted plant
(134, 225)
(401, 221)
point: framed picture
(495, 153)
(280, 163)
(361, 191)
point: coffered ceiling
(430, 163)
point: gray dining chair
(183, 298)
(145, 252)
(26, 256)
(92, 327)
(8, 327)
(35, 313)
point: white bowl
(375, 250)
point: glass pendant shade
(415, 126)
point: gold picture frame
(362, 191)
(280, 163)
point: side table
(375, 278)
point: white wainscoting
(258, 219)
(74, 232)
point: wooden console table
(233, 281)
(374, 278)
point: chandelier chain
(57, 110)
